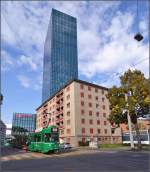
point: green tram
(45, 141)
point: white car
(65, 146)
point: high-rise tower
(60, 53)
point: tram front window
(55, 137)
(47, 137)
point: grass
(117, 146)
(112, 146)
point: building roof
(74, 80)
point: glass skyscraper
(23, 123)
(60, 53)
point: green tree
(137, 85)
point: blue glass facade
(60, 53)
(23, 123)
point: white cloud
(105, 35)
(24, 60)
(24, 80)
(7, 61)
(35, 83)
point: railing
(144, 136)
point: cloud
(24, 80)
(28, 61)
(7, 61)
(27, 82)
(105, 36)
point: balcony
(61, 127)
(57, 120)
(59, 112)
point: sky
(106, 46)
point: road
(76, 161)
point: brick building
(80, 109)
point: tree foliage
(137, 85)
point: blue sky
(106, 47)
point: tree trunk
(139, 145)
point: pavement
(90, 160)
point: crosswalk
(34, 155)
(23, 156)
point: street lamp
(129, 122)
(1, 99)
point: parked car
(64, 146)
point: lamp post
(1, 99)
(129, 122)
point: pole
(129, 124)
(149, 68)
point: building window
(96, 97)
(89, 96)
(105, 131)
(82, 103)
(81, 86)
(68, 113)
(98, 122)
(102, 91)
(97, 105)
(105, 123)
(62, 131)
(90, 113)
(82, 111)
(68, 131)
(89, 88)
(96, 90)
(98, 131)
(82, 94)
(97, 114)
(103, 99)
(68, 105)
(68, 96)
(83, 140)
(90, 104)
(91, 130)
(68, 122)
(90, 121)
(83, 121)
(103, 107)
(83, 130)
(68, 88)
(104, 114)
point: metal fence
(144, 137)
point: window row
(83, 121)
(90, 88)
(90, 96)
(91, 130)
(91, 105)
(90, 113)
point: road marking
(17, 157)
(38, 155)
(5, 158)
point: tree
(137, 85)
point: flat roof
(74, 80)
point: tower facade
(60, 53)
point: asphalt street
(80, 160)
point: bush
(83, 143)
